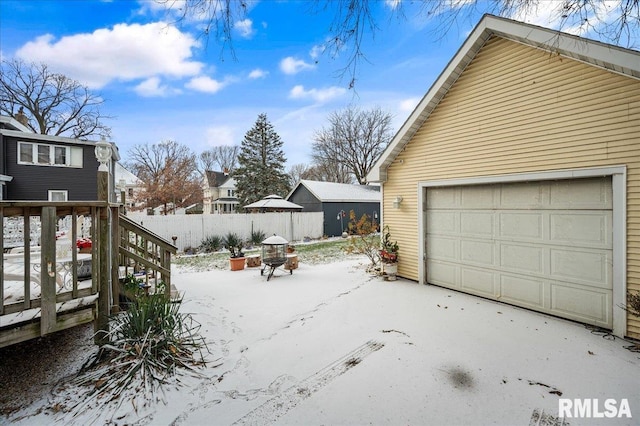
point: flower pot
(389, 271)
(237, 263)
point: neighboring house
(219, 193)
(47, 168)
(336, 200)
(272, 203)
(517, 176)
(132, 187)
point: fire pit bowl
(274, 254)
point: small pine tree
(261, 164)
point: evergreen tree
(261, 164)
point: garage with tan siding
(520, 171)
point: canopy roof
(273, 202)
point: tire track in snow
(279, 405)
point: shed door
(545, 246)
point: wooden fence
(190, 230)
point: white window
(49, 155)
(58, 195)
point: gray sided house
(35, 167)
(336, 200)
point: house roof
(275, 202)
(30, 136)
(216, 179)
(609, 57)
(123, 174)
(13, 124)
(339, 192)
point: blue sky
(161, 81)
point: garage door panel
(478, 224)
(581, 194)
(522, 291)
(478, 281)
(518, 196)
(442, 273)
(478, 197)
(522, 226)
(443, 198)
(581, 304)
(583, 229)
(478, 253)
(540, 245)
(445, 222)
(443, 248)
(591, 268)
(520, 258)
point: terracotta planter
(237, 263)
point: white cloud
(316, 51)
(220, 135)
(244, 28)
(151, 87)
(408, 105)
(318, 95)
(392, 4)
(291, 65)
(125, 52)
(205, 84)
(258, 73)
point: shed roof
(339, 192)
(609, 57)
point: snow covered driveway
(331, 345)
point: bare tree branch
(52, 103)
(353, 20)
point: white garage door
(546, 245)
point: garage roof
(339, 192)
(612, 58)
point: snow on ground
(331, 344)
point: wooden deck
(42, 291)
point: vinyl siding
(517, 109)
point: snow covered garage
(520, 172)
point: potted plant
(236, 256)
(389, 254)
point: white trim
(619, 186)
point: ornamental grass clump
(148, 344)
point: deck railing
(45, 269)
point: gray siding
(32, 182)
(303, 197)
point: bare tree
(52, 103)
(297, 172)
(354, 139)
(220, 158)
(327, 170)
(168, 171)
(614, 21)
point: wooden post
(48, 271)
(115, 243)
(103, 271)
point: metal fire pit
(274, 254)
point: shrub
(364, 238)
(234, 244)
(148, 342)
(257, 237)
(210, 244)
